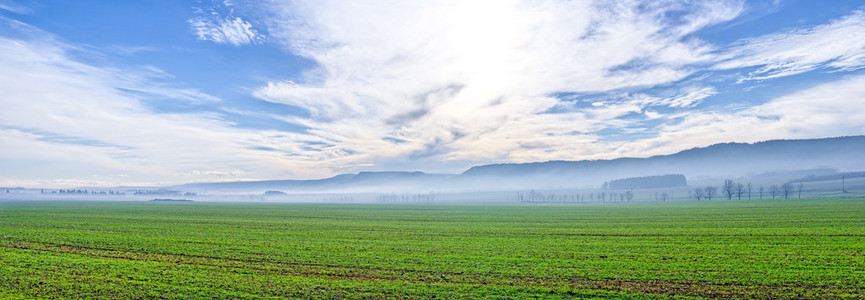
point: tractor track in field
(665, 288)
(700, 235)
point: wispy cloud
(228, 30)
(15, 7)
(838, 45)
(474, 79)
(131, 50)
(444, 83)
(218, 24)
(65, 119)
(828, 109)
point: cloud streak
(836, 46)
(429, 85)
(234, 31)
(474, 79)
(828, 109)
(211, 25)
(73, 122)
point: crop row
(781, 249)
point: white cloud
(219, 173)
(838, 45)
(63, 119)
(440, 81)
(473, 79)
(689, 98)
(830, 109)
(227, 30)
(681, 97)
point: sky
(110, 93)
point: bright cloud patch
(473, 79)
(413, 85)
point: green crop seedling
(721, 249)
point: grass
(710, 249)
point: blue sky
(104, 93)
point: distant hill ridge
(719, 160)
(353, 182)
(802, 148)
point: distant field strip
(733, 249)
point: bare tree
(740, 190)
(774, 190)
(761, 192)
(698, 194)
(710, 192)
(729, 188)
(748, 188)
(799, 189)
(843, 185)
(787, 189)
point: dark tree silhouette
(787, 189)
(740, 190)
(729, 188)
(698, 194)
(774, 190)
(710, 192)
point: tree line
(81, 192)
(398, 198)
(729, 190)
(602, 197)
(739, 191)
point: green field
(710, 249)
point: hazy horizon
(157, 94)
